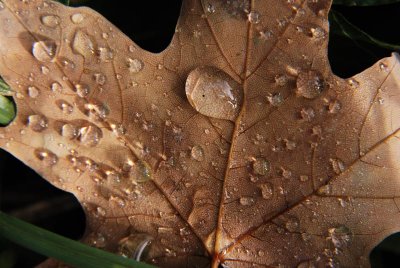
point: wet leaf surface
(237, 147)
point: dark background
(151, 24)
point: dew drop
(99, 241)
(37, 123)
(307, 114)
(45, 70)
(134, 65)
(337, 165)
(118, 200)
(310, 84)
(33, 92)
(381, 100)
(340, 236)
(135, 246)
(281, 80)
(292, 224)
(142, 171)
(275, 99)
(90, 135)
(77, 18)
(246, 201)
(44, 51)
(353, 83)
(82, 44)
(253, 17)
(383, 67)
(303, 178)
(1, 6)
(214, 93)
(334, 107)
(265, 34)
(261, 166)
(318, 32)
(325, 190)
(99, 78)
(266, 190)
(210, 8)
(69, 131)
(47, 157)
(51, 21)
(105, 54)
(197, 153)
(100, 211)
(306, 264)
(65, 107)
(82, 90)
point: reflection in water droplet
(266, 190)
(141, 171)
(33, 92)
(214, 93)
(197, 153)
(69, 131)
(135, 246)
(90, 135)
(47, 157)
(37, 122)
(65, 107)
(100, 211)
(340, 236)
(77, 18)
(82, 44)
(261, 166)
(310, 84)
(50, 20)
(134, 65)
(44, 51)
(210, 8)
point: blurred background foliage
(362, 32)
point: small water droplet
(100, 78)
(77, 18)
(65, 107)
(307, 114)
(340, 236)
(90, 135)
(56, 87)
(317, 32)
(33, 92)
(246, 201)
(82, 90)
(261, 166)
(105, 54)
(47, 157)
(97, 110)
(325, 190)
(292, 224)
(210, 8)
(383, 67)
(45, 70)
(37, 123)
(1, 6)
(334, 107)
(253, 17)
(381, 100)
(304, 178)
(265, 34)
(100, 212)
(118, 200)
(51, 21)
(353, 83)
(197, 153)
(69, 131)
(141, 171)
(267, 190)
(82, 44)
(281, 80)
(44, 51)
(306, 264)
(337, 165)
(214, 93)
(310, 84)
(104, 35)
(134, 65)
(275, 99)
(289, 145)
(135, 246)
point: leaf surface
(236, 145)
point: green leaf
(364, 2)
(4, 88)
(341, 26)
(71, 252)
(7, 110)
(65, 2)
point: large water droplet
(44, 51)
(134, 65)
(310, 84)
(214, 93)
(51, 21)
(135, 246)
(141, 171)
(82, 44)
(340, 236)
(37, 123)
(197, 153)
(90, 135)
(261, 166)
(33, 92)
(69, 131)
(47, 157)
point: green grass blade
(4, 88)
(364, 2)
(341, 26)
(71, 252)
(7, 110)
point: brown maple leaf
(236, 145)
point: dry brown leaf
(267, 159)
